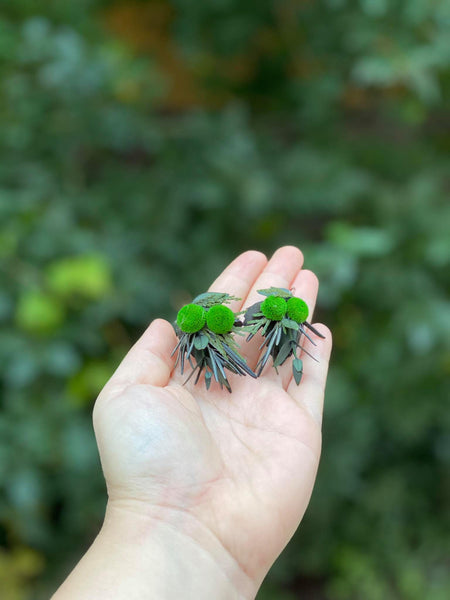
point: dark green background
(142, 146)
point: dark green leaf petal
(297, 369)
(283, 353)
(289, 324)
(209, 299)
(274, 291)
(200, 341)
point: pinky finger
(311, 390)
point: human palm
(233, 469)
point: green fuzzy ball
(274, 308)
(220, 318)
(297, 310)
(191, 318)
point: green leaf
(209, 299)
(88, 276)
(283, 353)
(274, 291)
(39, 313)
(361, 241)
(200, 341)
(289, 324)
(208, 376)
(297, 363)
(85, 385)
(297, 369)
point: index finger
(240, 275)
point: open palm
(234, 470)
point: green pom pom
(191, 318)
(274, 308)
(220, 318)
(297, 310)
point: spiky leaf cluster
(211, 348)
(281, 333)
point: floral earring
(281, 319)
(205, 329)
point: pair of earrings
(206, 329)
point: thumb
(149, 361)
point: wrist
(177, 555)
(159, 553)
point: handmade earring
(205, 329)
(281, 319)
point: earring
(281, 319)
(205, 329)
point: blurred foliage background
(142, 145)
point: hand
(230, 475)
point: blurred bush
(139, 140)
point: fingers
(310, 393)
(280, 271)
(239, 276)
(149, 360)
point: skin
(205, 489)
